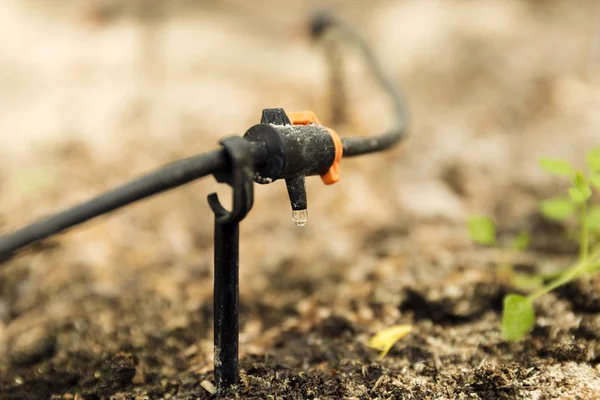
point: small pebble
(32, 345)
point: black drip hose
(184, 171)
(167, 177)
(355, 146)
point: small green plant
(518, 315)
(578, 203)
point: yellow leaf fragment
(385, 339)
(208, 386)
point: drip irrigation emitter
(288, 146)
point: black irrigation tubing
(283, 146)
(355, 146)
(184, 171)
(165, 178)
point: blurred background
(94, 93)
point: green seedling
(519, 315)
(577, 204)
(482, 230)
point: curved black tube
(167, 177)
(355, 146)
(184, 171)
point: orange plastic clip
(308, 117)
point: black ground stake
(226, 302)
(226, 279)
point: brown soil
(306, 339)
(121, 308)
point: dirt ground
(95, 93)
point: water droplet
(300, 217)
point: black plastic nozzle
(294, 152)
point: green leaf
(595, 179)
(580, 182)
(593, 159)
(482, 230)
(594, 219)
(557, 209)
(581, 192)
(576, 196)
(557, 167)
(521, 241)
(518, 317)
